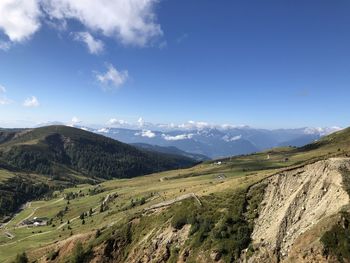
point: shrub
(53, 255)
(22, 258)
(336, 241)
(178, 221)
(80, 255)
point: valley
(216, 211)
(152, 189)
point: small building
(36, 221)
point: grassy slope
(65, 155)
(5, 175)
(56, 150)
(240, 172)
(120, 210)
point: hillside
(65, 156)
(58, 150)
(170, 150)
(8, 134)
(282, 205)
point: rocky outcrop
(294, 202)
(158, 245)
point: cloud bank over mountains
(211, 140)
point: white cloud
(132, 22)
(178, 137)
(19, 19)
(227, 138)
(195, 125)
(113, 77)
(141, 122)
(227, 126)
(322, 131)
(116, 122)
(31, 102)
(3, 99)
(146, 133)
(95, 46)
(103, 130)
(75, 120)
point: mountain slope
(170, 150)
(8, 134)
(295, 201)
(219, 211)
(56, 150)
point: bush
(220, 223)
(178, 221)
(336, 241)
(22, 258)
(80, 255)
(98, 233)
(53, 255)
(142, 201)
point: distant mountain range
(217, 142)
(213, 141)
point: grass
(224, 222)
(5, 175)
(152, 188)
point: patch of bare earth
(294, 202)
(157, 247)
(64, 248)
(308, 248)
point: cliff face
(294, 203)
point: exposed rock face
(158, 249)
(294, 202)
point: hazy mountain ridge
(216, 142)
(170, 150)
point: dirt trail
(9, 235)
(295, 201)
(175, 200)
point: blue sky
(270, 64)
